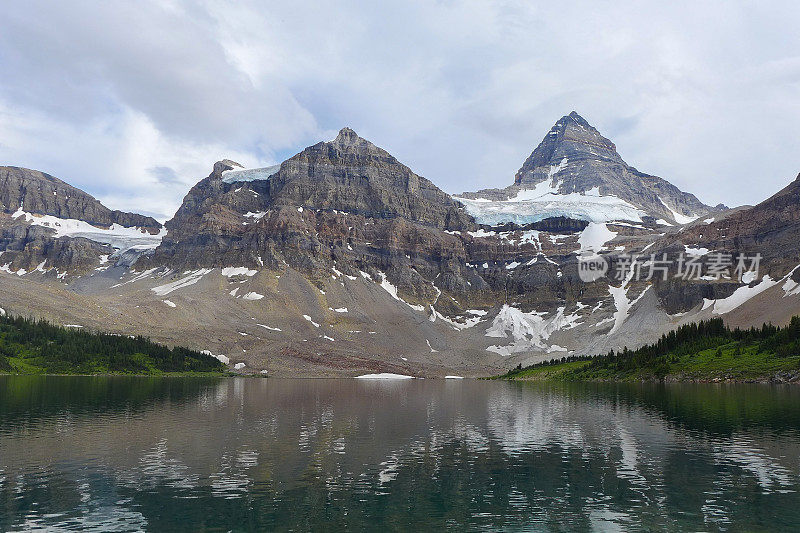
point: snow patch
(221, 358)
(256, 216)
(466, 324)
(190, 279)
(678, 217)
(120, 237)
(621, 302)
(252, 296)
(384, 375)
(741, 295)
(137, 277)
(392, 290)
(527, 330)
(249, 174)
(696, 252)
(230, 272)
(594, 237)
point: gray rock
(42, 194)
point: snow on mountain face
(678, 217)
(527, 330)
(249, 174)
(577, 173)
(119, 237)
(594, 237)
(544, 200)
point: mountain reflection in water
(241, 454)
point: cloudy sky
(133, 101)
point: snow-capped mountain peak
(575, 172)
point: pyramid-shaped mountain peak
(346, 134)
(348, 138)
(571, 138)
(576, 163)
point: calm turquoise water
(266, 454)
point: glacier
(249, 174)
(544, 201)
(120, 237)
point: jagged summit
(346, 142)
(576, 172)
(346, 176)
(347, 136)
(225, 165)
(571, 137)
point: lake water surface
(165, 454)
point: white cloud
(116, 97)
(124, 160)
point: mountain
(50, 226)
(345, 202)
(770, 228)
(341, 260)
(37, 193)
(575, 172)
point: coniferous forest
(37, 346)
(706, 350)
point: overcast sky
(133, 101)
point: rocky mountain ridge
(35, 192)
(341, 260)
(49, 226)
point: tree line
(687, 340)
(45, 347)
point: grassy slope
(744, 360)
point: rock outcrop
(50, 226)
(42, 194)
(344, 204)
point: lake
(164, 454)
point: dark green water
(102, 453)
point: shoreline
(543, 379)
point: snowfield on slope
(249, 174)
(528, 331)
(120, 237)
(545, 201)
(739, 297)
(594, 237)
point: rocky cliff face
(770, 228)
(344, 204)
(578, 170)
(351, 174)
(42, 194)
(49, 226)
